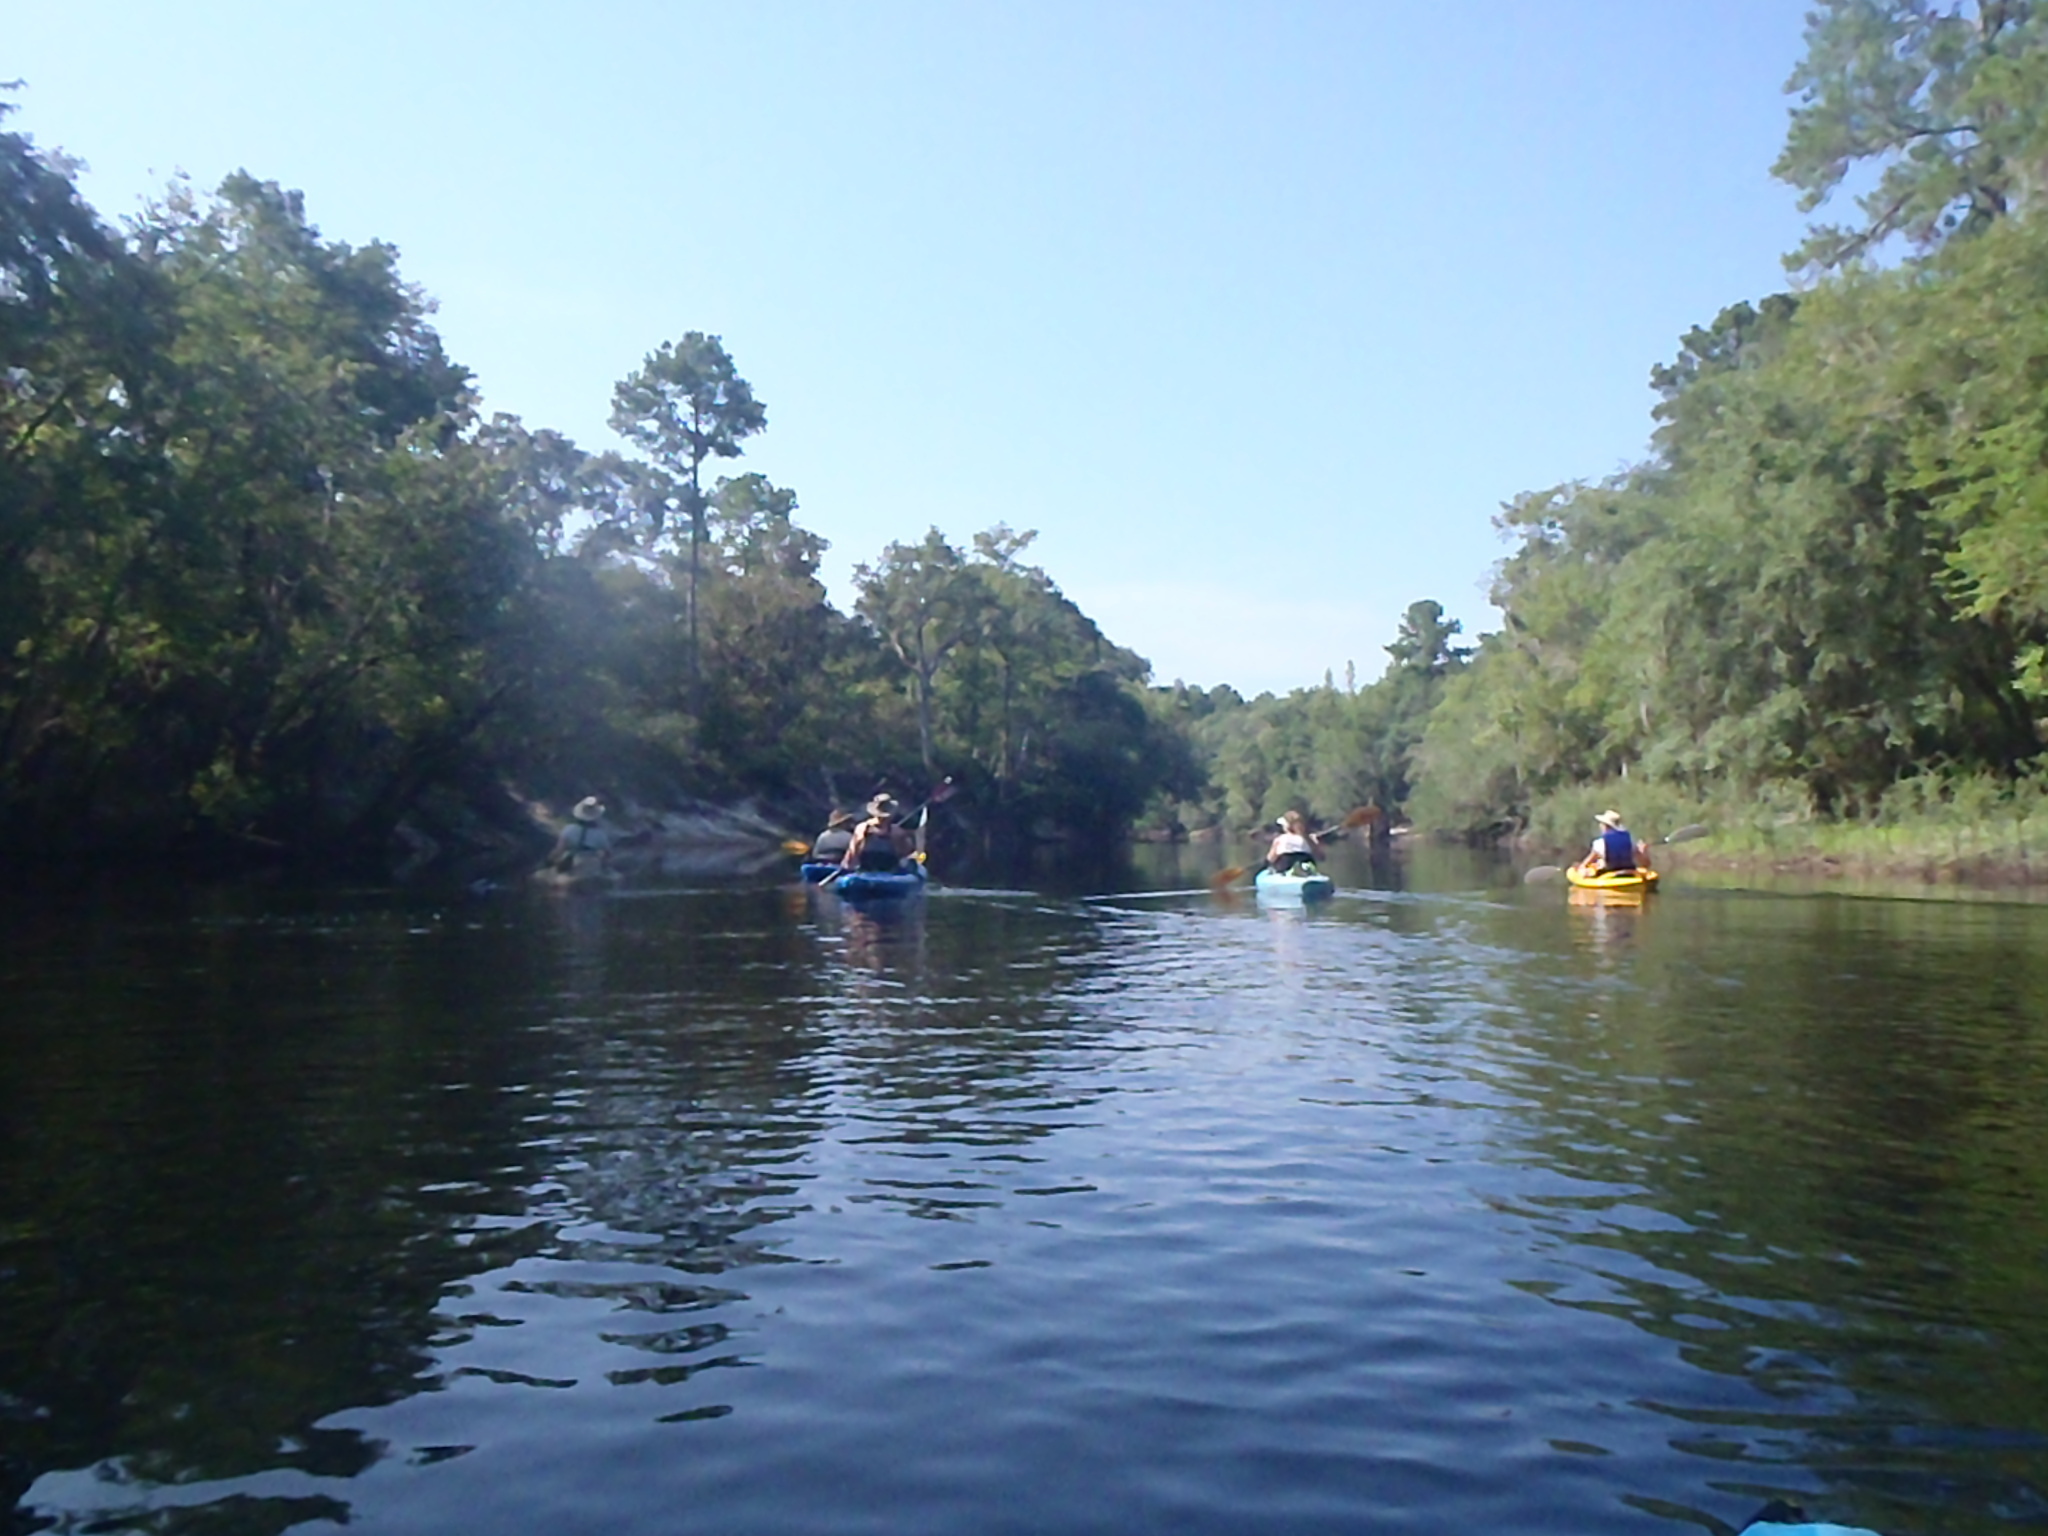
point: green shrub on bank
(1933, 826)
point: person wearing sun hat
(831, 844)
(584, 846)
(1294, 845)
(879, 845)
(1614, 847)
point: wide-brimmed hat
(883, 805)
(589, 808)
(1609, 819)
(839, 819)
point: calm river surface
(1448, 1207)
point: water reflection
(1451, 1204)
(1606, 921)
(882, 938)
(1795, 1142)
(231, 1133)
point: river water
(1451, 1206)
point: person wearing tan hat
(584, 846)
(879, 845)
(831, 844)
(1614, 848)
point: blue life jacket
(1618, 849)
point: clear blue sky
(1257, 312)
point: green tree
(922, 602)
(79, 328)
(684, 404)
(278, 556)
(775, 702)
(266, 577)
(1788, 595)
(1422, 642)
(1947, 99)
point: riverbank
(1968, 833)
(682, 836)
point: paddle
(1684, 834)
(939, 796)
(798, 848)
(1355, 820)
(1223, 879)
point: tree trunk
(693, 675)
(924, 715)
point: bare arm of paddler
(870, 833)
(851, 858)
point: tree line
(271, 580)
(1826, 588)
(1326, 750)
(1824, 591)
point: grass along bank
(1935, 829)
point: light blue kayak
(1779, 1518)
(873, 885)
(1302, 883)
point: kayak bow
(876, 885)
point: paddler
(584, 846)
(1294, 844)
(832, 843)
(1613, 848)
(879, 845)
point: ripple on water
(1017, 1215)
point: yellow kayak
(1612, 879)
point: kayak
(1778, 1518)
(1297, 884)
(1637, 880)
(812, 872)
(874, 885)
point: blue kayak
(1302, 883)
(874, 885)
(813, 873)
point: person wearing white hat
(1614, 847)
(584, 846)
(1294, 845)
